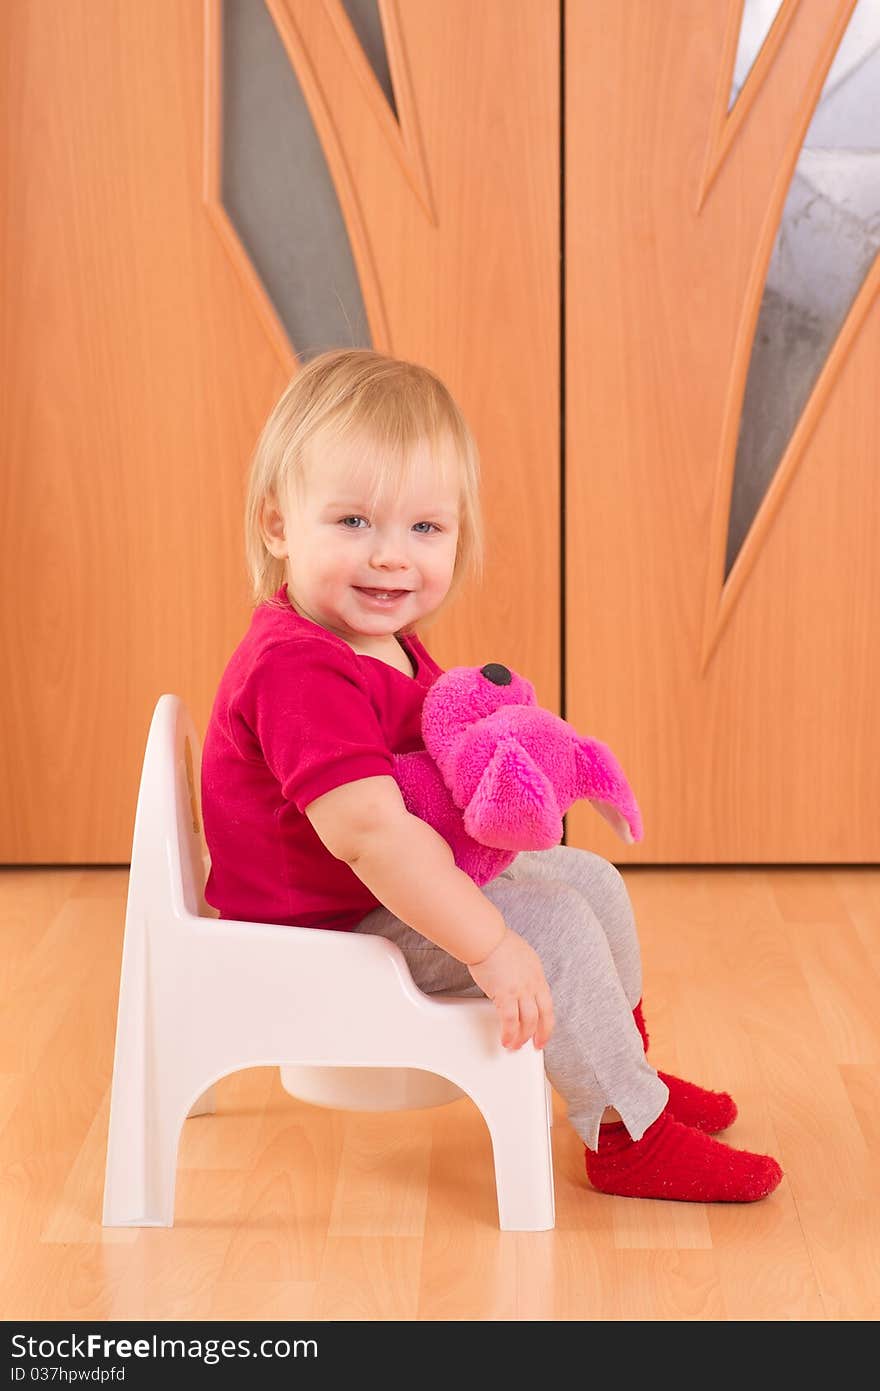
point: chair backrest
(169, 860)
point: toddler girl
(363, 521)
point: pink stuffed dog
(498, 773)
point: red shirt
(297, 713)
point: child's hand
(513, 978)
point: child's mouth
(383, 597)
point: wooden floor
(762, 982)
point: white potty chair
(338, 1012)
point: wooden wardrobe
(554, 207)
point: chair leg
(523, 1161)
(142, 1145)
(141, 1176)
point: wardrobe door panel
(201, 197)
(722, 423)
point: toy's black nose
(497, 674)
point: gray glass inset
(277, 189)
(755, 25)
(364, 16)
(827, 242)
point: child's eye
(354, 518)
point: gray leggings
(572, 907)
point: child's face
(335, 550)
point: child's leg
(603, 887)
(594, 1057)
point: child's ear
(272, 527)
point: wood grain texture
(726, 121)
(141, 356)
(742, 713)
(290, 1211)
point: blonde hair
(392, 404)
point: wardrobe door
(200, 197)
(722, 428)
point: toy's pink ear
(514, 805)
(603, 782)
(616, 820)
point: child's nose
(390, 553)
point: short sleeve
(313, 719)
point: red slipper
(688, 1103)
(677, 1162)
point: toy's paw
(514, 805)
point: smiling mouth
(382, 593)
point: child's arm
(407, 865)
(412, 871)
